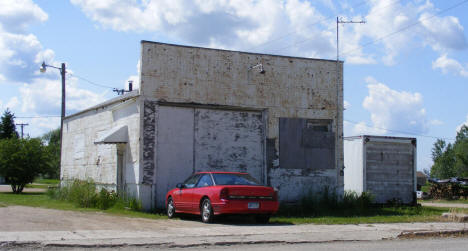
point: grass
(44, 183)
(426, 188)
(371, 215)
(47, 181)
(31, 199)
(368, 216)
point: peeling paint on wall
(149, 135)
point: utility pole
(63, 72)
(338, 22)
(22, 125)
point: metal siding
(174, 157)
(304, 148)
(353, 161)
(229, 141)
(389, 171)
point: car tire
(262, 218)
(206, 211)
(170, 208)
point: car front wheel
(170, 208)
(206, 211)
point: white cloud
(17, 15)
(20, 56)
(362, 128)
(449, 65)
(245, 25)
(134, 78)
(346, 105)
(393, 110)
(43, 96)
(230, 24)
(436, 122)
(443, 33)
(394, 25)
(19, 49)
(12, 103)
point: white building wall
(290, 88)
(354, 165)
(83, 159)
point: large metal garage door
(197, 139)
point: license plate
(253, 205)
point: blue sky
(405, 73)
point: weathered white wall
(291, 87)
(82, 159)
(354, 165)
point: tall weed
(329, 203)
(83, 193)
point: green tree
(451, 160)
(443, 156)
(52, 142)
(7, 125)
(461, 152)
(22, 160)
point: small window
(205, 181)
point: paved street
(55, 228)
(453, 244)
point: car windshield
(234, 179)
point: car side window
(205, 181)
(190, 182)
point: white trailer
(384, 166)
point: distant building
(279, 118)
(421, 180)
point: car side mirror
(180, 185)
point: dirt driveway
(19, 218)
(48, 228)
(7, 188)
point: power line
(398, 131)
(37, 117)
(406, 27)
(89, 81)
(329, 29)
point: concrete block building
(197, 109)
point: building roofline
(111, 101)
(380, 137)
(244, 52)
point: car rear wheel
(262, 218)
(206, 211)
(170, 208)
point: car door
(200, 190)
(184, 195)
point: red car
(215, 193)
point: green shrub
(106, 199)
(83, 193)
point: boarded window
(306, 144)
